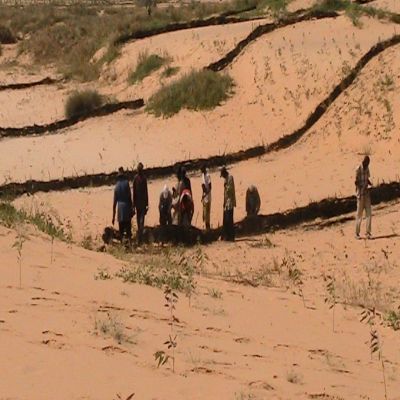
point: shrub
(169, 71)
(198, 90)
(146, 65)
(81, 103)
(6, 36)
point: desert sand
(257, 324)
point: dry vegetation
(69, 37)
(198, 90)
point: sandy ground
(321, 165)
(49, 326)
(247, 333)
(390, 5)
(304, 57)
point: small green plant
(175, 272)
(294, 276)
(161, 357)
(169, 71)
(82, 103)
(331, 298)
(87, 242)
(354, 12)
(371, 317)
(112, 327)
(18, 245)
(102, 274)
(278, 8)
(198, 90)
(392, 319)
(215, 293)
(146, 65)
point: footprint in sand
(113, 350)
(242, 340)
(54, 344)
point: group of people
(176, 206)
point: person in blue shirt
(123, 203)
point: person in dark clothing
(253, 201)
(123, 202)
(184, 181)
(228, 227)
(140, 200)
(164, 206)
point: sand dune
(261, 111)
(49, 332)
(257, 325)
(321, 165)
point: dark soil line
(13, 190)
(66, 123)
(223, 19)
(261, 30)
(262, 224)
(19, 86)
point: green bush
(146, 65)
(81, 103)
(6, 36)
(198, 90)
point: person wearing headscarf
(229, 205)
(164, 206)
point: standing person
(164, 206)
(140, 200)
(175, 206)
(363, 184)
(184, 181)
(123, 202)
(206, 197)
(229, 205)
(253, 201)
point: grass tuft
(10, 217)
(169, 71)
(146, 65)
(198, 90)
(81, 103)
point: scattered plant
(161, 357)
(146, 65)
(215, 293)
(82, 103)
(169, 71)
(331, 298)
(102, 274)
(371, 317)
(112, 327)
(18, 245)
(198, 90)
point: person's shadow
(391, 236)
